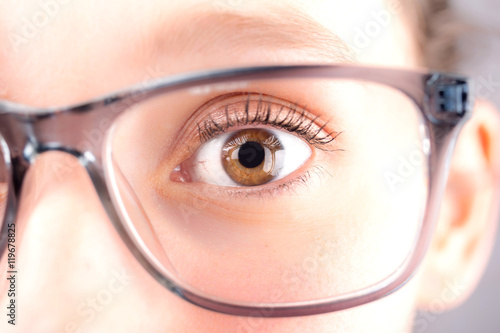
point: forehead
(64, 51)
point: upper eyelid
(297, 119)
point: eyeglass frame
(443, 99)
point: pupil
(251, 154)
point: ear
(467, 224)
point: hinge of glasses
(449, 98)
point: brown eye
(245, 157)
(249, 156)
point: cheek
(391, 314)
(275, 244)
(338, 238)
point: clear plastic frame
(380, 140)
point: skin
(70, 255)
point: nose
(71, 264)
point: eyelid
(212, 119)
(241, 109)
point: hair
(439, 29)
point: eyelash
(300, 125)
(291, 185)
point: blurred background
(481, 59)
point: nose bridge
(57, 191)
(51, 156)
(60, 217)
(57, 188)
(67, 249)
(78, 129)
(49, 171)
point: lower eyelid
(304, 181)
(306, 178)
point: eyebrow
(286, 30)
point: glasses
(271, 191)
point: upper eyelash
(209, 128)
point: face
(72, 261)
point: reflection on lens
(306, 189)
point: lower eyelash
(267, 190)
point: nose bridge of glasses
(75, 131)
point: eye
(251, 139)
(246, 157)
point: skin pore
(68, 250)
